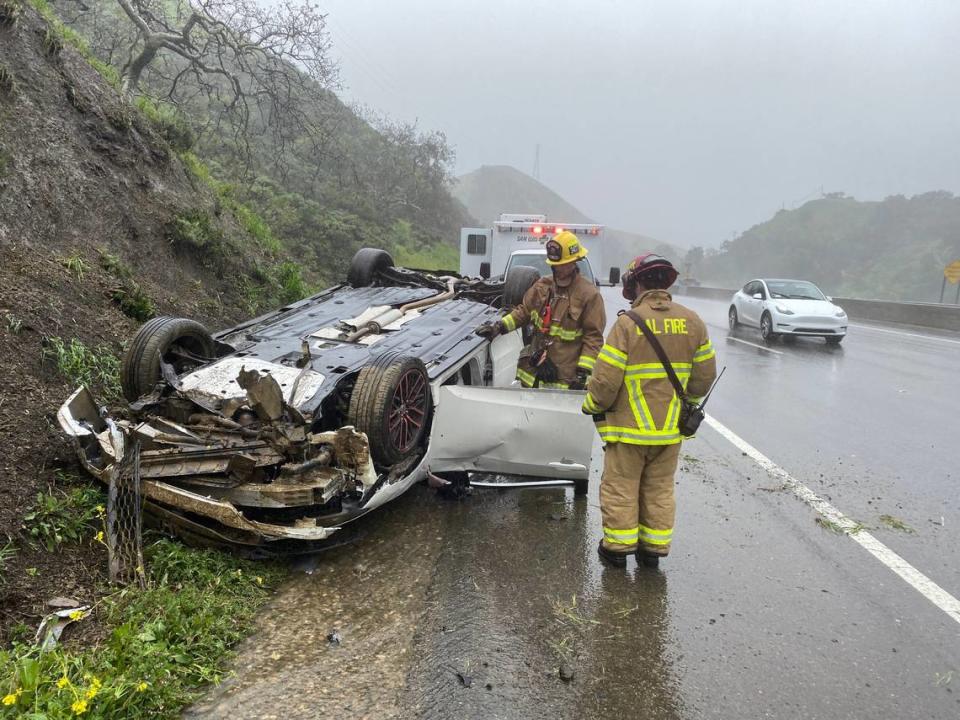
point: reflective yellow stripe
(526, 378)
(615, 352)
(621, 537)
(586, 361)
(638, 404)
(529, 380)
(509, 323)
(655, 537)
(555, 330)
(704, 352)
(633, 436)
(590, 405)
(610, 358)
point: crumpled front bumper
(232, 485)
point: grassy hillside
(894, 249)
(495, 189)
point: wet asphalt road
(472, 609)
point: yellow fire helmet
(563, 248)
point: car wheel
(766, 328)
(834, 339)
(366, 265)
(732, 318)
(180, 342)
(391, 404)
(580, 487)
(519, 280)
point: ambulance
(486, 252)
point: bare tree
(236, 67)
(237, 39)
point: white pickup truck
(537, 259)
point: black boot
(614, 558)
(648, 559)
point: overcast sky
(687, 120)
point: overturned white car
(273, 434)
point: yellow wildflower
(76, 615)
(63, 682)
(100, 509)
(96, 683)
(99, 536)
(142, 686)
(79, 707)
(259, 580)
(9, 699)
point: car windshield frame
(794, 290)
(538, 261)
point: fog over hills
(494, 189)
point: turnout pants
(636, 497)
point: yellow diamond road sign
(952, 271)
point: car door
(751, 306)
(512, 431)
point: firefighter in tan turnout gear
(636, 411)
(568, 317)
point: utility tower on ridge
(536, 163)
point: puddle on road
(465, 610)
(521, 594)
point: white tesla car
(787, 308)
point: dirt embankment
(90, 197)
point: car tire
(519, 280)
(391, 403)
(834, 339)
(140, 370)
(580, 487)
(366, 265)
(766, 328)
(733, 319)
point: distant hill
(893, 249)
(494, 189)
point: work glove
(581, 382)
(490, 330)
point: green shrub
(134, 302)
(52, 43)
(10, 11)
(114, 265)
(7, 84)
(7, 553)
(163, 644)
(61, 517)
(195, 229)
(75, 264)
(96, 368)
(169, 122)
(69, 36)
(292, 286)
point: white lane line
(907, 334)
(759, 347)
(913, 577)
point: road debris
(896, 523)
(53, 625)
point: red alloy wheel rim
(408, 411)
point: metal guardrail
(928, 315)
